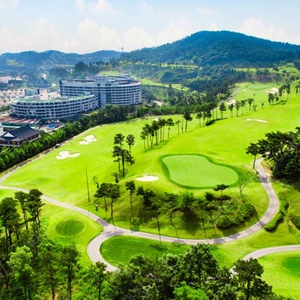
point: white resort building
(116, 90)
(52, 108)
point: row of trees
(193, 275)
(148, 206)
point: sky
(85, 26)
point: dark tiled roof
(19, 134)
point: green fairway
(130, 246)
(195, 171)
(282, 271)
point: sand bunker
(273, 90)
(88, 139)
(147, 178)
(257, 120)
(232, 101)
(66, 154)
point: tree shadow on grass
(159, 247)
(191, 222)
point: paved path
(263, 252)
(109, 230)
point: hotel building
(116, 90)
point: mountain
(218, 47)
(51, 58)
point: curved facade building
(56, 108)
(116, 90)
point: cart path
(109, 230)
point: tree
(35, 204)
(254, 150)
(185, 292)
(102, 191)
(130, 186)
(22, 271)
(113, 192)
(130, 139)
(69, 262)
(97, 274)
(117, 152)
(247, 278)
(50, 265)
(178, 123)
(118, 139)
(237, 106)
(22, 197)
(221, 187)
(250, 102)
(170, 123)
(187, 116)
(222, 108)
(10, 218)
(199, 117)
(186, 200)
(230, 107)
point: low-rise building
(53, 108)
(14, 138)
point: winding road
(109, 230)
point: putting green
(69, 227)
(197, 171)
(282, 271)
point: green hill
(218, 47)
(50, 59)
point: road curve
(266, 251)
(109, 230)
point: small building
(14, 138)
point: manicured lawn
(130, 246)
(64, 227)
(282, 271)
(195, 171)
(224, 142)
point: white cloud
(95, 6)
(9, 3)
(90, 37)
(80, 5)
(44, 36)
(136, 38)
(257, 28)
(205, 12)
(146, 8)
(176, 29)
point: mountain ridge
(200, 48)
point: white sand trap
(147, 178)
(232, 101)
(257, 120)
(88, 139)
(273, 90)
(66, 154)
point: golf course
(195, 161)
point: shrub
(246, 211)
(224, 222)
(272, 225)
(295, 218)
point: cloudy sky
(84, 26)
